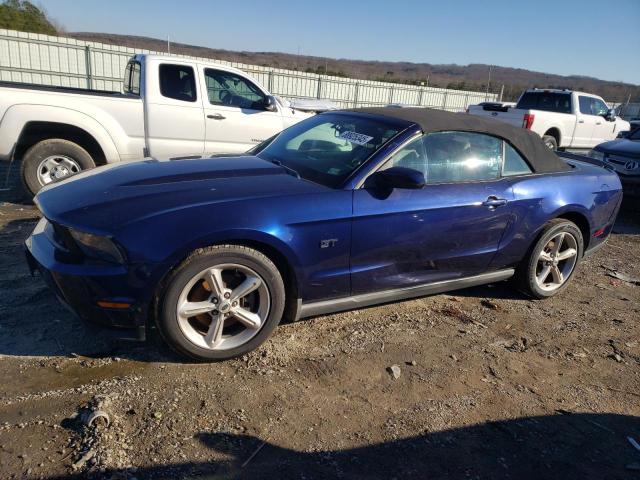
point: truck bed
(56, 89)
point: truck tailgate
(512, 116)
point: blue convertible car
(343, 210)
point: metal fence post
(87, 60)
(355, 95)
(391, 94)
(319, 93)
(270, 82)
(420, 93)
(501, 93)
(444, 101)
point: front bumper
(630, 185)
(81, 285)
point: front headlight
(597, 154)
(95, 246)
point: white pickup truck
(171, 107)
(563, 118)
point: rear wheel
(552, 260)
(52, 160)
(222, 302)
(550, 141)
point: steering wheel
(225, 96)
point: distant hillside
(467, 77)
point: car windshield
(329, 147)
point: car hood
(622, 146)
(105, 199)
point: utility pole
(168, 46)
(486, 97)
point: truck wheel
(551, 262)
(223, 301)
(52, 160)
(550, 141)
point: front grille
(625, 165)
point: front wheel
(222, 302)
(552, 260)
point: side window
(410, 156)
(132, 78)
(450, 157)
(585, 105)
(514, 164)
(598, 107)
(232, 90)
(462, 157)
(178, 82)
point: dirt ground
(491, 385)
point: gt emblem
(631, 165)
(330, 242)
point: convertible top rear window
(328, 148)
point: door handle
(598, 123)
(216, 116)
(580, 121)
(494, 202)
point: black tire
(47, 148)
(167, 320)
(550, 141)
(525, 278)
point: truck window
(232, 90)
(585, 105)
(132, 78)
(546, 101)
(178, 82)
(598, 107)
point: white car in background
(170, 108)
(563, 118)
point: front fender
(17, 116)
(160, 271)
(236, 236)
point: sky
(598, 38)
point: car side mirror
(270, 103)
(397, 177)
(611, 115)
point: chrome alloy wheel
(556, 261)
(223, 306)
(56, 167)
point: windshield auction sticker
(357, 138)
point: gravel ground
(485, 384)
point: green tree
(24, 16)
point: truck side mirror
(270, 103)
(611, 115)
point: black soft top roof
(529, 144)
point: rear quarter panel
(592, 192)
